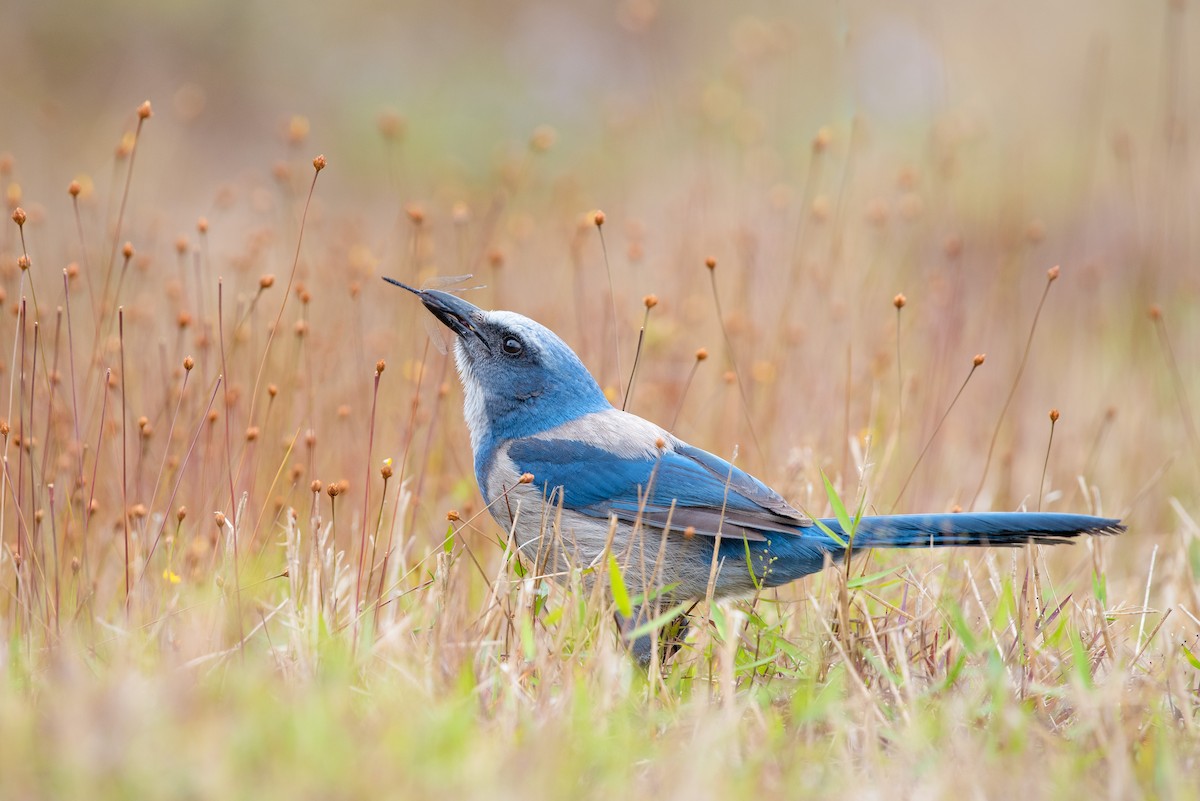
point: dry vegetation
(243, 552)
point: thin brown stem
(99, 444)
(737, 373)
(124, 449)
(1046, 462)
(701, 355)
(74, 393)
(83, 250)
(179, 477)
(233, 515)
(318, 165)
(162, 467)
(408, 438)
(112, 257)
(362, 545)
(974, 366)
(637, 357)
(1051, 275)
(612, 298)
(1181, 397)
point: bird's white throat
(473, 405)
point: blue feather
(785, 559)
(522, 382)
(690, 487)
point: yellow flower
(171, 576)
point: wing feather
(685, 486)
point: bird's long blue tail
(794, 556)
(997, 529)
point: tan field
(944, 255)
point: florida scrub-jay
(675, 516)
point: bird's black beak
(455, 313)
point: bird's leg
(670, 637)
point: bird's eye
(512, 346)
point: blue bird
(573, 479)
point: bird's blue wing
(685, 487)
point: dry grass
(243, 553)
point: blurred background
(192, 339)
(828, 156)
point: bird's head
(519, 378)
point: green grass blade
(616, 583)
(658, 621)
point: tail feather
(996, 529)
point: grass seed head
(953, 246)
(297, 129)
(820, 142)
(820, 208)
(1035, 232)
(391, 125)
(543, 139)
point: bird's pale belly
(557, 540)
